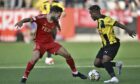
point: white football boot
(49, 61)
(112, 80)
(119, 65)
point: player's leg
(107, 65)
(49, 60)
(109, 54)
(119, 65)
(30, 65)
(98, 60)
(98, 63)
(109, 68)
(64, 53)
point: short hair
(56, 9)
(94, 8)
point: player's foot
(49, 61)
(82, 76)
(23, 80)
(112, 80)
(119, 66)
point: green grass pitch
(14, 56)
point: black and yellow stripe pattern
(46, 6)
(106, 31)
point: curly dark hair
(94, 8)
(56, 9)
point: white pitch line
(22, 67)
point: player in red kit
(45, 42)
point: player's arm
(131, 33)
(58, 25)
(54, 32)
(20, 23)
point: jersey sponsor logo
(45, 28)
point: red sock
(29, 67)
(71, 63)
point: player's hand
(131, 33)
(18, 25)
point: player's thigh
(110, 51)
(39, 48)
(106, 58)
(35, 56)
(100, 53)
(63, 52)
(99, 56)
(97, 62)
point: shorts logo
(106, 51)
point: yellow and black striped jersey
(106, 31)
(45, 6)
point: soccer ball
(94, 75)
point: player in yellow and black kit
(45, 9)
(110, 42)
(46, 5)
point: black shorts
(109, 50)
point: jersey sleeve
(110, 21)
(36, 18)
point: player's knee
(104, 61)
(106, 64)
(33, 61)
(97, 65)
(68, 56)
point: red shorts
(49, 47)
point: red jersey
(44, 28)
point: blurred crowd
(124, 4)
(125, 11)
(132, 5)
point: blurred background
(76, 26)
(78, 35)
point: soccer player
(45, 9)
(45, 42)
(110, 43)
